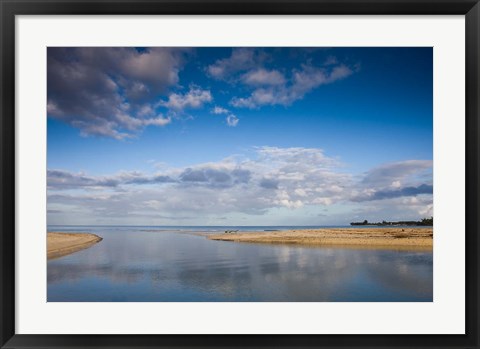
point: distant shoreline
(402, 238)
(425, 222)
(60, 244)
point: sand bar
(395, 238)
(62, 244)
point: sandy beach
(61, 244)
(395, 238)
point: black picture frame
(10, 8)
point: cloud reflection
(162, 266)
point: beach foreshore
(61, 244)
(390, 238)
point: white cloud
(285, 92)
(232, 120)
(270, 86)
(250, 186)
(61, 180)
(396, 209)
(194, 98)
(131, 123)
(396, 184)
(219, 110)
(241, 59)
(261, 76)
(107, 91)
(391, 174)
(296, 179)
(408, 178)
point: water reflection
(134, 265)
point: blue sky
(230, 136)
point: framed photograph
(225, 174)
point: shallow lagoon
(151, 264)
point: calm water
(174, 265)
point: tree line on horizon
(423, 222)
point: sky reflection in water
(133, 265)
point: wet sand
(390, 238)
(62, 244)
